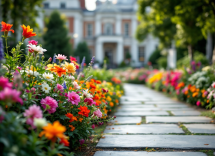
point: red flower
(27, 31)
(71, 117)
(6, 27)
(64, 141)
(73, 59)
(84, 111)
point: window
(62, 5)
(126, 29)
(46, 5)
(127, 54)
(108, 29)
(89, 30)
(141, 54)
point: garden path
(150, 124)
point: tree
(82, 51)
(182, 20)
(20, 12)
(56, 40)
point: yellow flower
(70, 67)
(109, 98)
(51, 67)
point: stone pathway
(148, 119)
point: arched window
(108, 29)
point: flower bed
(195, 85)
(49, 107)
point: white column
(98, 26)
(134, 45)
(119, 52)
(77, 29)
(99, 52)
(118, 25)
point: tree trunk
(190, 52)
(209, 48)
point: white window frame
(141, 53)
(126, 29)
(108, 29)
(89, 30)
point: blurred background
(125, 33)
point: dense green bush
(198, 57)
(162, 62)
(155, 56)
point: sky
(91, 4)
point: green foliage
(198, 57)
(127, 55)
(56, 38)
(82, 51)
(162, 62)
(122, 64)
(155, 56)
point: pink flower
(98, 113)
(93, 126)
(32, 42)
(177, 91)
(49, 104)
(73, 98)
(76, 86)
(89, 101)
(4, 83)
(198, 103)
(59, 87)
(31, 113)
(61, 57)
(10, 95)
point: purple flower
(31, 113)
(54, 59)
(1, 50)
(73, 98)
(64, 85)
(82, 64)
(81, 141)
(93, 126)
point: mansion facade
(108, 31)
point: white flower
(45, 87)
(76, 86)
(71, 77)
(40, 122)
(48, 76)
(37, 49)
(86, 94)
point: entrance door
(109, 56)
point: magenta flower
(10, 95)
(81, 141)
(49, 104)
(32, 112)
(5, 83)
(73, 98)
(98, 113)
(61, 57)
(198, 103)
(32, 42)
(59, 87)
(93, 126)
(89, 101)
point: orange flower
(117, 101)
(27, 31)
(195, 94)
(72, 128)
(181, 84)
(208, 101)
(111, 104)
(80, 119)
(59, 71)
(84, 111)
(52, 132)
(71, 117)
(6, 28)
(64, 141)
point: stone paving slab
(145, 113)
(138, 153)
(158, 106)
(162, 103)
(201, 128)
(175, 119)
(158, 141)
(127, 120)
(144, 129)
(125, 109)
(186, 113)
(131, 103)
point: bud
(50, 59)
(43, 57)
(40, 122)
